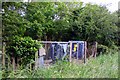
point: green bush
(101, 49)
(22, 47)
(114, 47)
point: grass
(104, 66)
(0, 74)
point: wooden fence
(86, 51)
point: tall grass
(104, 66)
(0, 74)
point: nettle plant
(23, 48)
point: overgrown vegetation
(23, 48)
(104, 66)
(26, 23)
(56, 22)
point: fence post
(46, 50)
(36, 60)
(13, 61)
(95, 49)
(3, 55)
(70, 51)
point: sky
(112, 5)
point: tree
(14, 29)
(93, 23)
(117, 22)
(56, 21)
(50, 18)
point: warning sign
(75, 48)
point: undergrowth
(104, 66)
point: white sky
(112, 5)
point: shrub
(102, 49)
(22, 47)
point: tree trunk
(13, 62)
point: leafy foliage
(23, 47)
(93, 23)
(58, 21)
(14, 28)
